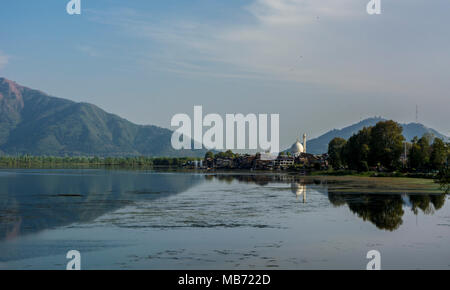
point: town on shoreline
(376, 151)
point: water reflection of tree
(444, 179)
(427, 203)
(386, 211)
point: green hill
(32, 122)
(319, 145)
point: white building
(297, 148)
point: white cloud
(301, 12)
(270, 47)
(3, 60)
(327, 42)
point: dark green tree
(209, 154)
(228, 154)
(419, 154)
(356, 150)
(335, 152)
(386, 144)
(438, 155)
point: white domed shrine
(297, 148)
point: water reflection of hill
(384, 210)
(31, 201)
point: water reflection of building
(299, 189)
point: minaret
(304, 143)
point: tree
(229, 154)
(414, 158)
(386, 144)
(225, 155)
(424, 144)
(438, 155)
(357, 149)
(335, 152)
(363, 166)
(209, 154)
(419, 154)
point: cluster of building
(295, 157)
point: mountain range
(32, 122)
(320, 144)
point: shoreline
(374, 174)
(434, 184)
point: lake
(237, 220)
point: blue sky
(320, 64)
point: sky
(320, 64)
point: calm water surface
(157, 220)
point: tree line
(142, 161)
(224, 155)
(383, 147)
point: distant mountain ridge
(32, 122)
(319, 145)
